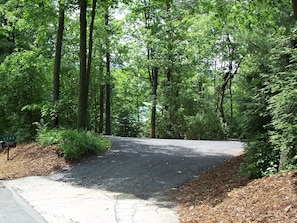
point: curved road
(127, 184)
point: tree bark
(91, 40)
(154, 105)
(90, 54)
(152, 72)
(108, 86)
(228, 76)
(101, 108)
(231, 99)
(82, 117)
(57, 66)
(169, 72)
(226, 79)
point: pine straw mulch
(217, 196)
(30, 160)
(220, 196)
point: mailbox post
(7, 142)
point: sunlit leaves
(25, 83)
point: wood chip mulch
(221, 196)
(30, 160)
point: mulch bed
(30, 160)
(221, 196)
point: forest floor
(217, 196)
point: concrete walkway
(60, 202)
(13, 209)
(130, 184)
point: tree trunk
(101, 108)
(57, 66)
(226, 79)
(169, 102)
(82, 116)
(90, 54)
(154, 105)
(91, 41)
(231, 99)
(152, 72)
(294, 5)
(108, 87)
(228, 76)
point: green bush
(283, 107)
(260, 158)
(25, 82)
(73, 144)
(204, 126)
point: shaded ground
(215, 196)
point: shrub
(260, 158)
(73, 144)
(204, 126)
(283, 107)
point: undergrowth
(73, 144)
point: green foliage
(261, 157)
(193, 117)
(284, 135)
(268, 106)
(283, 102)
(73, 144)
(193, 45)
(127, 125)
(255, 120)
(25, 85)
(204, 126)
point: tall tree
(101, 105)
(232, 69)
(90, 50)
(108, 77)
(91, 29)
(82, 115)
(57, 65)
(153, 70)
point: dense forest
(205, 69)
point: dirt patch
(220, 196)
(30, 160)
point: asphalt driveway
(127, 184)
(146, 167)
